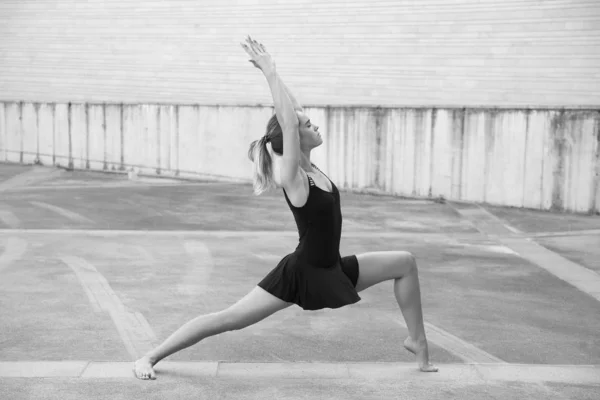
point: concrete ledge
(465, 373)
(575, 374)
(284, 370)
(125, 369)
(41, 369)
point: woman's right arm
(284, 109)
(288, 120)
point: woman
(314, 276)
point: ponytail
(263, 169)
(260, 155)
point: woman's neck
(305, 163)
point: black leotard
(315, 276)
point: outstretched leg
(252, 308)
(401, 266)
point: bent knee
(413, 260)
(408, 262)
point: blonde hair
(263, 168)
(260, 154)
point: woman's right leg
(252, 308)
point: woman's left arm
(294, 101)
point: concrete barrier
(535, 158)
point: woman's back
(319, 222)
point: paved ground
(95, 269)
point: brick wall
(391, 53)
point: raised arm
(294, 101)
(284, 109)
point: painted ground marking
(136, 333)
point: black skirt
(311, 287)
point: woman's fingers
(248, 49)
(260, 46)
(251, 42)
(256, 46)
(257, 52)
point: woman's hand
(258, 55)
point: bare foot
(142, 369)
(421, 351)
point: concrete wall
(544, 159)
(411, 53)
(164, 85)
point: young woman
(314, 276)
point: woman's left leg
(401, 266)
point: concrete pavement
(95, 269)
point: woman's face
(309, 133)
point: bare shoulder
(297, 189)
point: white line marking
(486, 222)
(512, 229)
(13, 251)
(583, 232)
(32, 175)
(469, 374)
(493, 248)
(133, 328)
(73, 216)
(584, 279)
